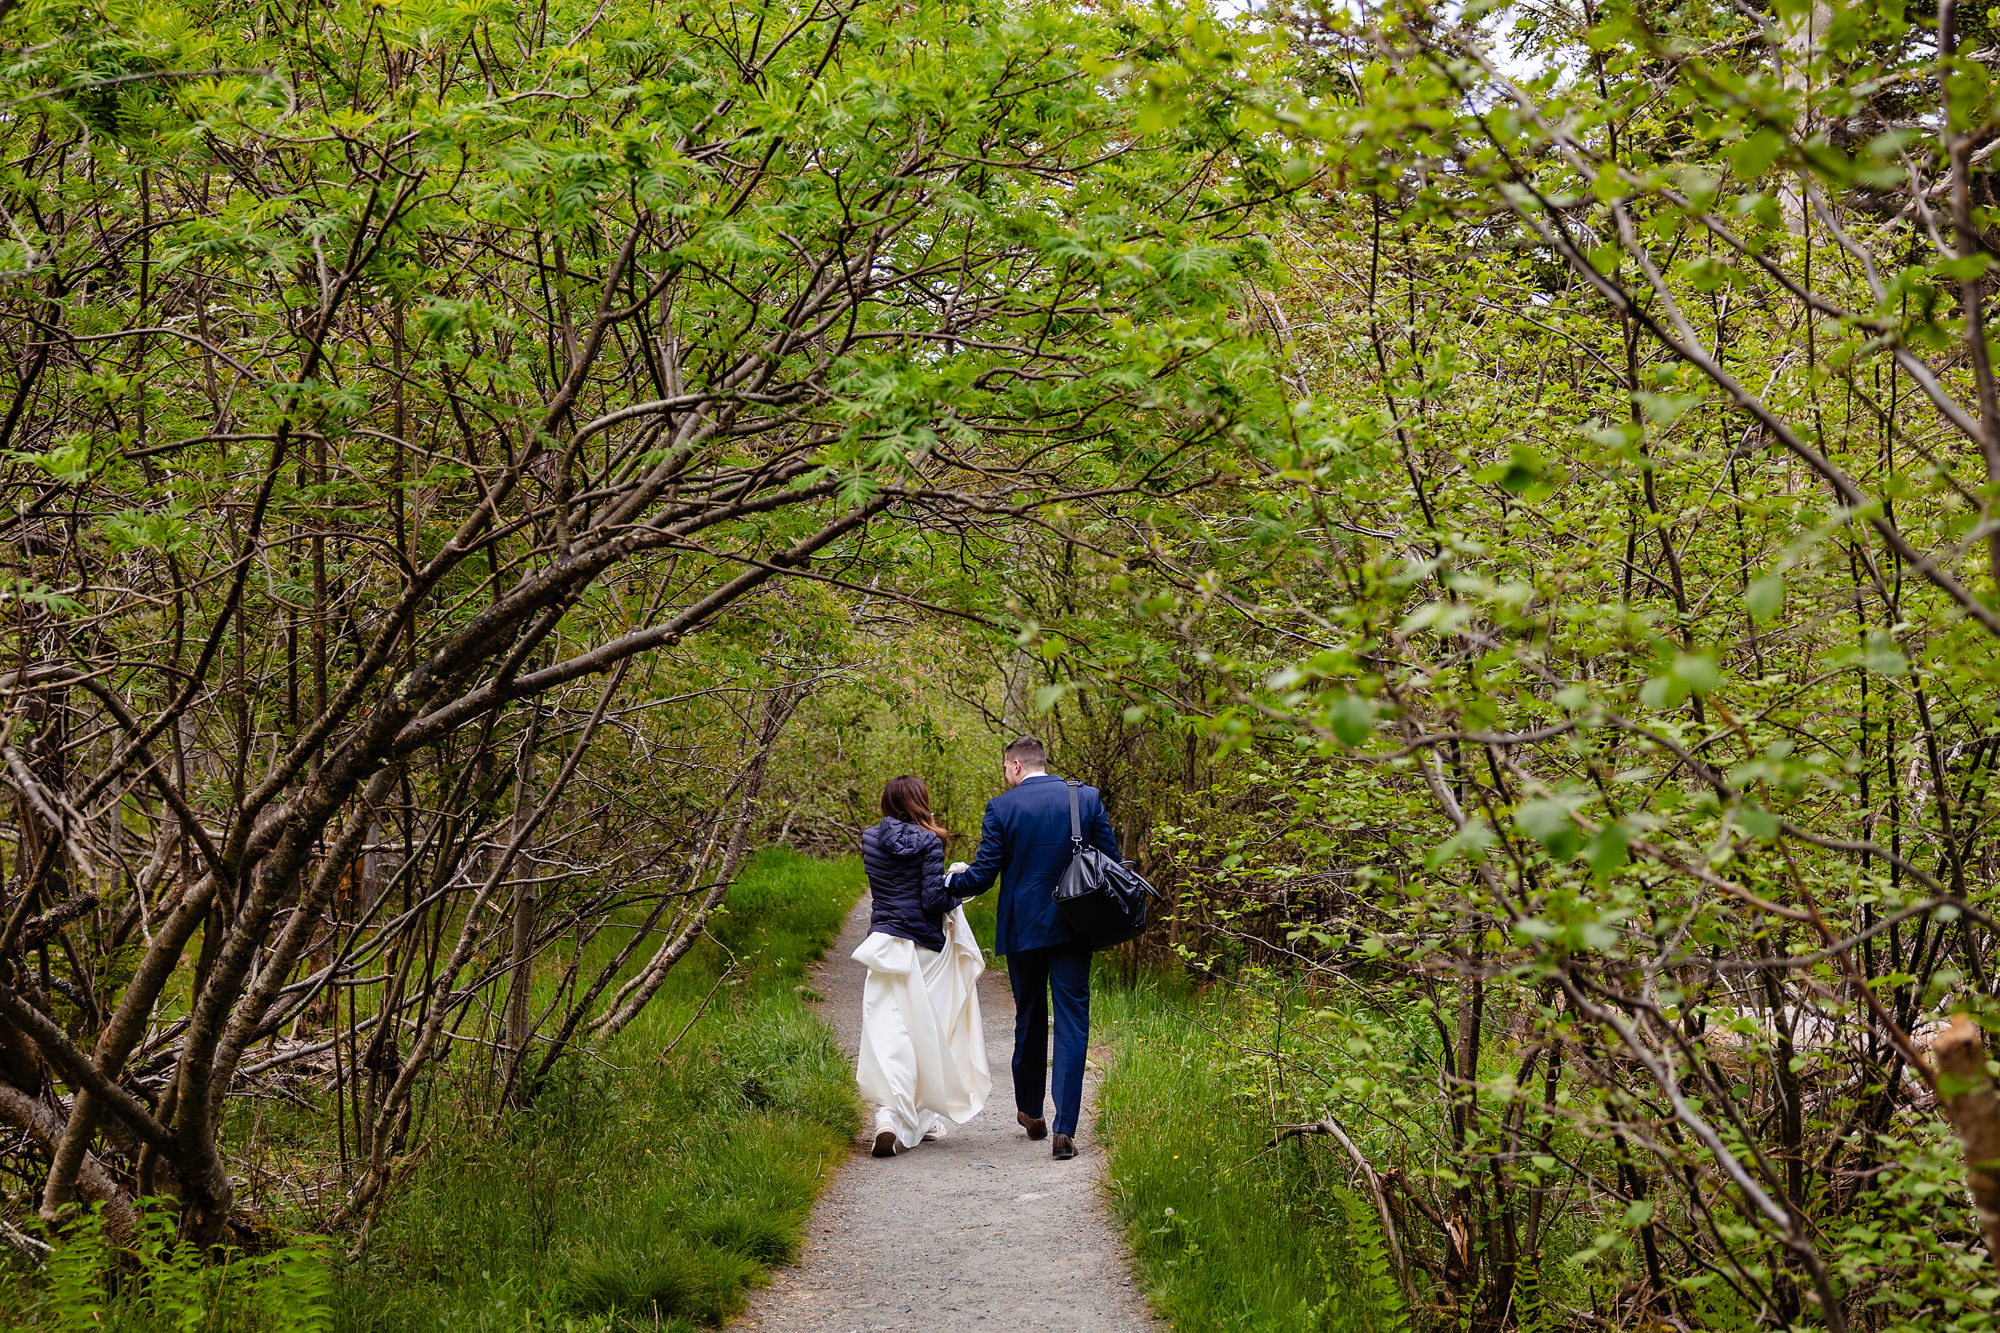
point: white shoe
(885, 1134)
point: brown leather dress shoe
(1037, 1127)
(1063, 1148)
(885, 1144)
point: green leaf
(37, 594)
(1957, 1085)
(1606, 852)
(1608, 187)
(1664, 409)
(1765, 598)
(1471, 842)
(1758, 822)
(1548, 822)
(136, 530)
(1351, 718)
(69, 462)
(1524, 468)
(1663, 692)
(1698, 672)
(1883, 658)
(1753, 155)
(1966, 268)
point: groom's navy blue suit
(1024, 842)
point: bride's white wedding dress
(923, 1046)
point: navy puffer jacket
(906, 878)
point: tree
(386, 383)
(1607, 628)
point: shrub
(163, 1283)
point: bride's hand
(957, 867)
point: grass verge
(1225, 1234)
(638, 1192)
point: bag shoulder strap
(1075, 820)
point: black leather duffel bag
(1102, 900)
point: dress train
(923, 1045)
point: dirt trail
(979, 1230)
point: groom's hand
(957, 866)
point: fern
(75, 1295)
(174, 1287)
(1530, 1311)
(164, 1284)
(295, 1291)
(1380, 1299)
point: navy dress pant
(1062, 974)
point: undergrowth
(1226, 1234)
(161, 1283)
(638, 1191)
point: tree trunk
(521, 961)
(1965, 1090)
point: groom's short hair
(1027, 751)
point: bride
(923, 1050)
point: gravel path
(980, 1230)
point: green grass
(1226, 1235)
(637, 1190)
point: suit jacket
(1024, 843)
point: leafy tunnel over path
(1500, 499)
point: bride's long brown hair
(908, 798)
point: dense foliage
(1500, 497)
(1601, 646)
(411, 412)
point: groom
(1024, 840)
